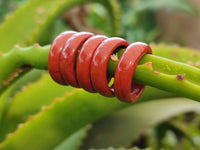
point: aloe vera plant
(37, 113)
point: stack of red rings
(81, 59)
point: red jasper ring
(83, 65)
(68, 56)
(81, 60)
(125, 89)
(54, 56)
(100, 63)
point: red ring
(84, 61)
(68, 56)
(100, 62)
(125, 89)
(54, 56)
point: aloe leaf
(25, 103)
(74, 141)
(65, 116)
(43, 13)
(56, 122)
(6, 96)
(125, 126)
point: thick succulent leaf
(33, 21)
(74, 141)
(57, 121)
(65, 116)
(125, 126)
(24, 102)
(14, 88)
(29, 101)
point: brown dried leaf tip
(114, 57)
(181, 77)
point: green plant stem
(152, 70)
(18, 59)
(165, 74)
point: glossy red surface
(54, 56)
(84, 62)
(81, 60)
(125, 89)
(100, 62)
(68, 56)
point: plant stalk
(156, 71)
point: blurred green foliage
(7, 6)
(138, 17)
